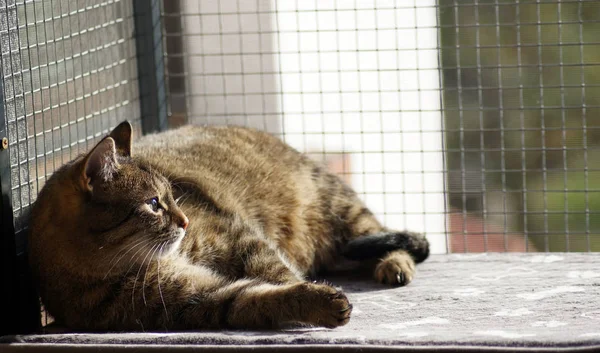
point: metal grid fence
(330, 82)
(68, 75)
(521, 102)
(475, 121)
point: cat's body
(108, 250)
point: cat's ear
(122, 136)
(100, 164)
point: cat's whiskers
(146, 274)
(133, 262)
(187, 197)
(123, 255)
(176, 183)
(179, 198)
(158, 279)
(169, 175)
(178, 180)
(138, 274)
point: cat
(203, 228)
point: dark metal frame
(175, 63)
(19, 306)
(151, 65)
(7, 242)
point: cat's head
(106, 204)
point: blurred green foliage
(522, 114)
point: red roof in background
(471, 228)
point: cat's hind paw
(396, 269)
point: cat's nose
(184, 222)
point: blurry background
(521, 99)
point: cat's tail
(378, 245)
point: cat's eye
(153, 203)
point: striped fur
(108, 250)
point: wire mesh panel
(69, 74)
(521, 101)
(352, 83)
(358, 84)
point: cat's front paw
(325, 305)
(396, 269)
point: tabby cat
(203, 228)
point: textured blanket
(473, 301)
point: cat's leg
(396, 251)
(240, 250)
(261, 260)
(274, 306)
(194, 297)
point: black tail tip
(420, 252)
(377, 245)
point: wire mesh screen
(520, 102)
(330, 78)
(69, 74)
(474, 121)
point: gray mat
(474, 300)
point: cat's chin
(171, 248)
(172, 245)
